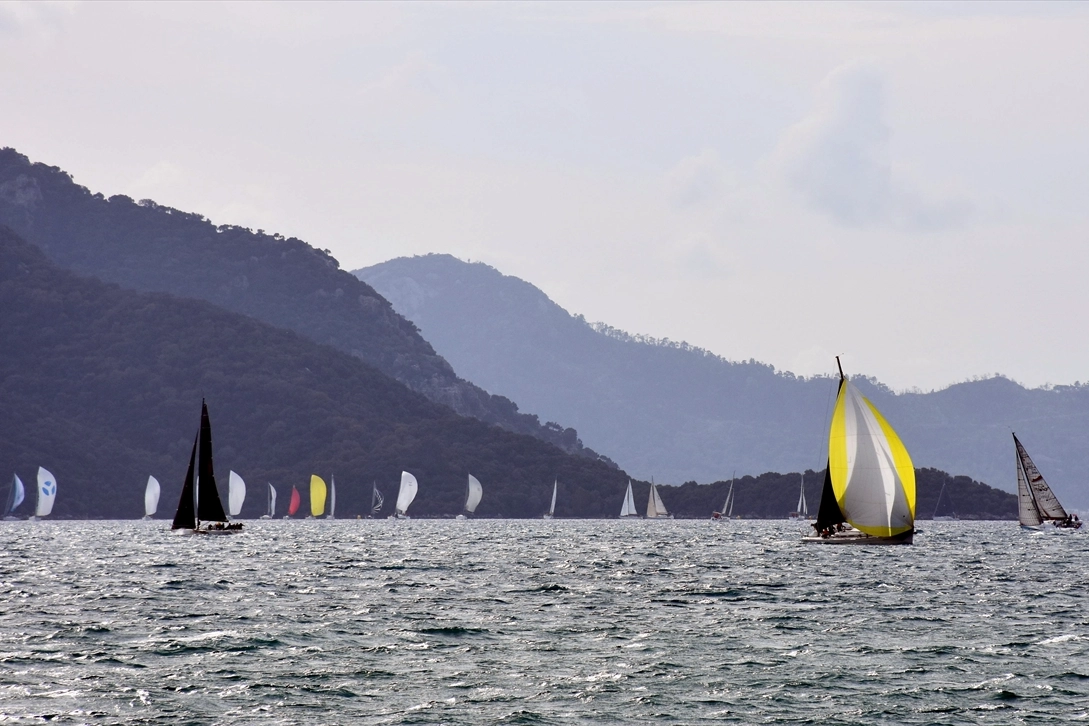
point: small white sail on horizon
(151, 497)
(405, 495)
(474, 495)
(16, 496)
(332, 497)
(552, 507)
(803, 508)
(271, 502)
(628, 510)
(47, 492)
(236, 494)
(376, 499)
(656, 508)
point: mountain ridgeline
(281, 281)
(679, 413)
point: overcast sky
(903, 184)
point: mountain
(103, 385)
(680, 413)
(280, 281)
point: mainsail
(47, 492)
(236, 493)
(1035, 500)
(406, 493)
(552, 507)
(728, 505)
(16, 495)
(271, 500)
(332, 497)
(870, 480)
(628, 510)
(803, 508)
(376, 499)
(317, 495)
(151, 496)
(472, 498)
(655, 506)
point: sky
(903, 185)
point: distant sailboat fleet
(46, 494)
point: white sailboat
(727, 506)
(628, 510)
(332, 497)
(47, 493)
(151, 497)
(236, 494)
(472, 496)
(271, 502)
(16, 496)
(802, 510)
(869, 482)
(376, 500)
(656, 508)
(552, 507)
(405, 495)
(937, 505)
(1036, 503)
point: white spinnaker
(628, 510)
(407, 492)
(271, 500)
(47, 492)
(874, 495)
(475, 493)
(332, 497)
(19, 494)
(151, 496)
(552, 507)
(236, 494)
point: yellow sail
(871, 471)
(317, 495)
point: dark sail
(209, 508)
(186, 517)
(829, 514)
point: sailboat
(236, 494)
(727, 506)
(802, 511)
(869, 482)
(376, 500)
(16, 495)
(151, 497)
(332, 496)
(628, 510)
(405, 495)
(937, 506)
(656, 508)
(552, 507)
(271, 503)
(318, 491)
(200, 510)
(472, 497)
(1036, 503)
(293, 504)
(47, 493)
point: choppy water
(497, 622)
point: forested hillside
(281, 281)
(679, 413)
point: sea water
(539, 622)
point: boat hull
(854, 537)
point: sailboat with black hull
(869, 483)
(200, 510)
(1036, 503)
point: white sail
(552, 507)
(236, 494)
(472, 499)
(628, 510)
(151, 496)
(332, 497)
(728, 505)
(406, 493)
(47, 492)
(803, 508)
(16, 496)
(376, 499)
(655, 506)
(271, 500)
(1035, 500)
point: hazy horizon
(900, 184)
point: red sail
(295, 502)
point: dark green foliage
(281, 281)
(103, 386)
